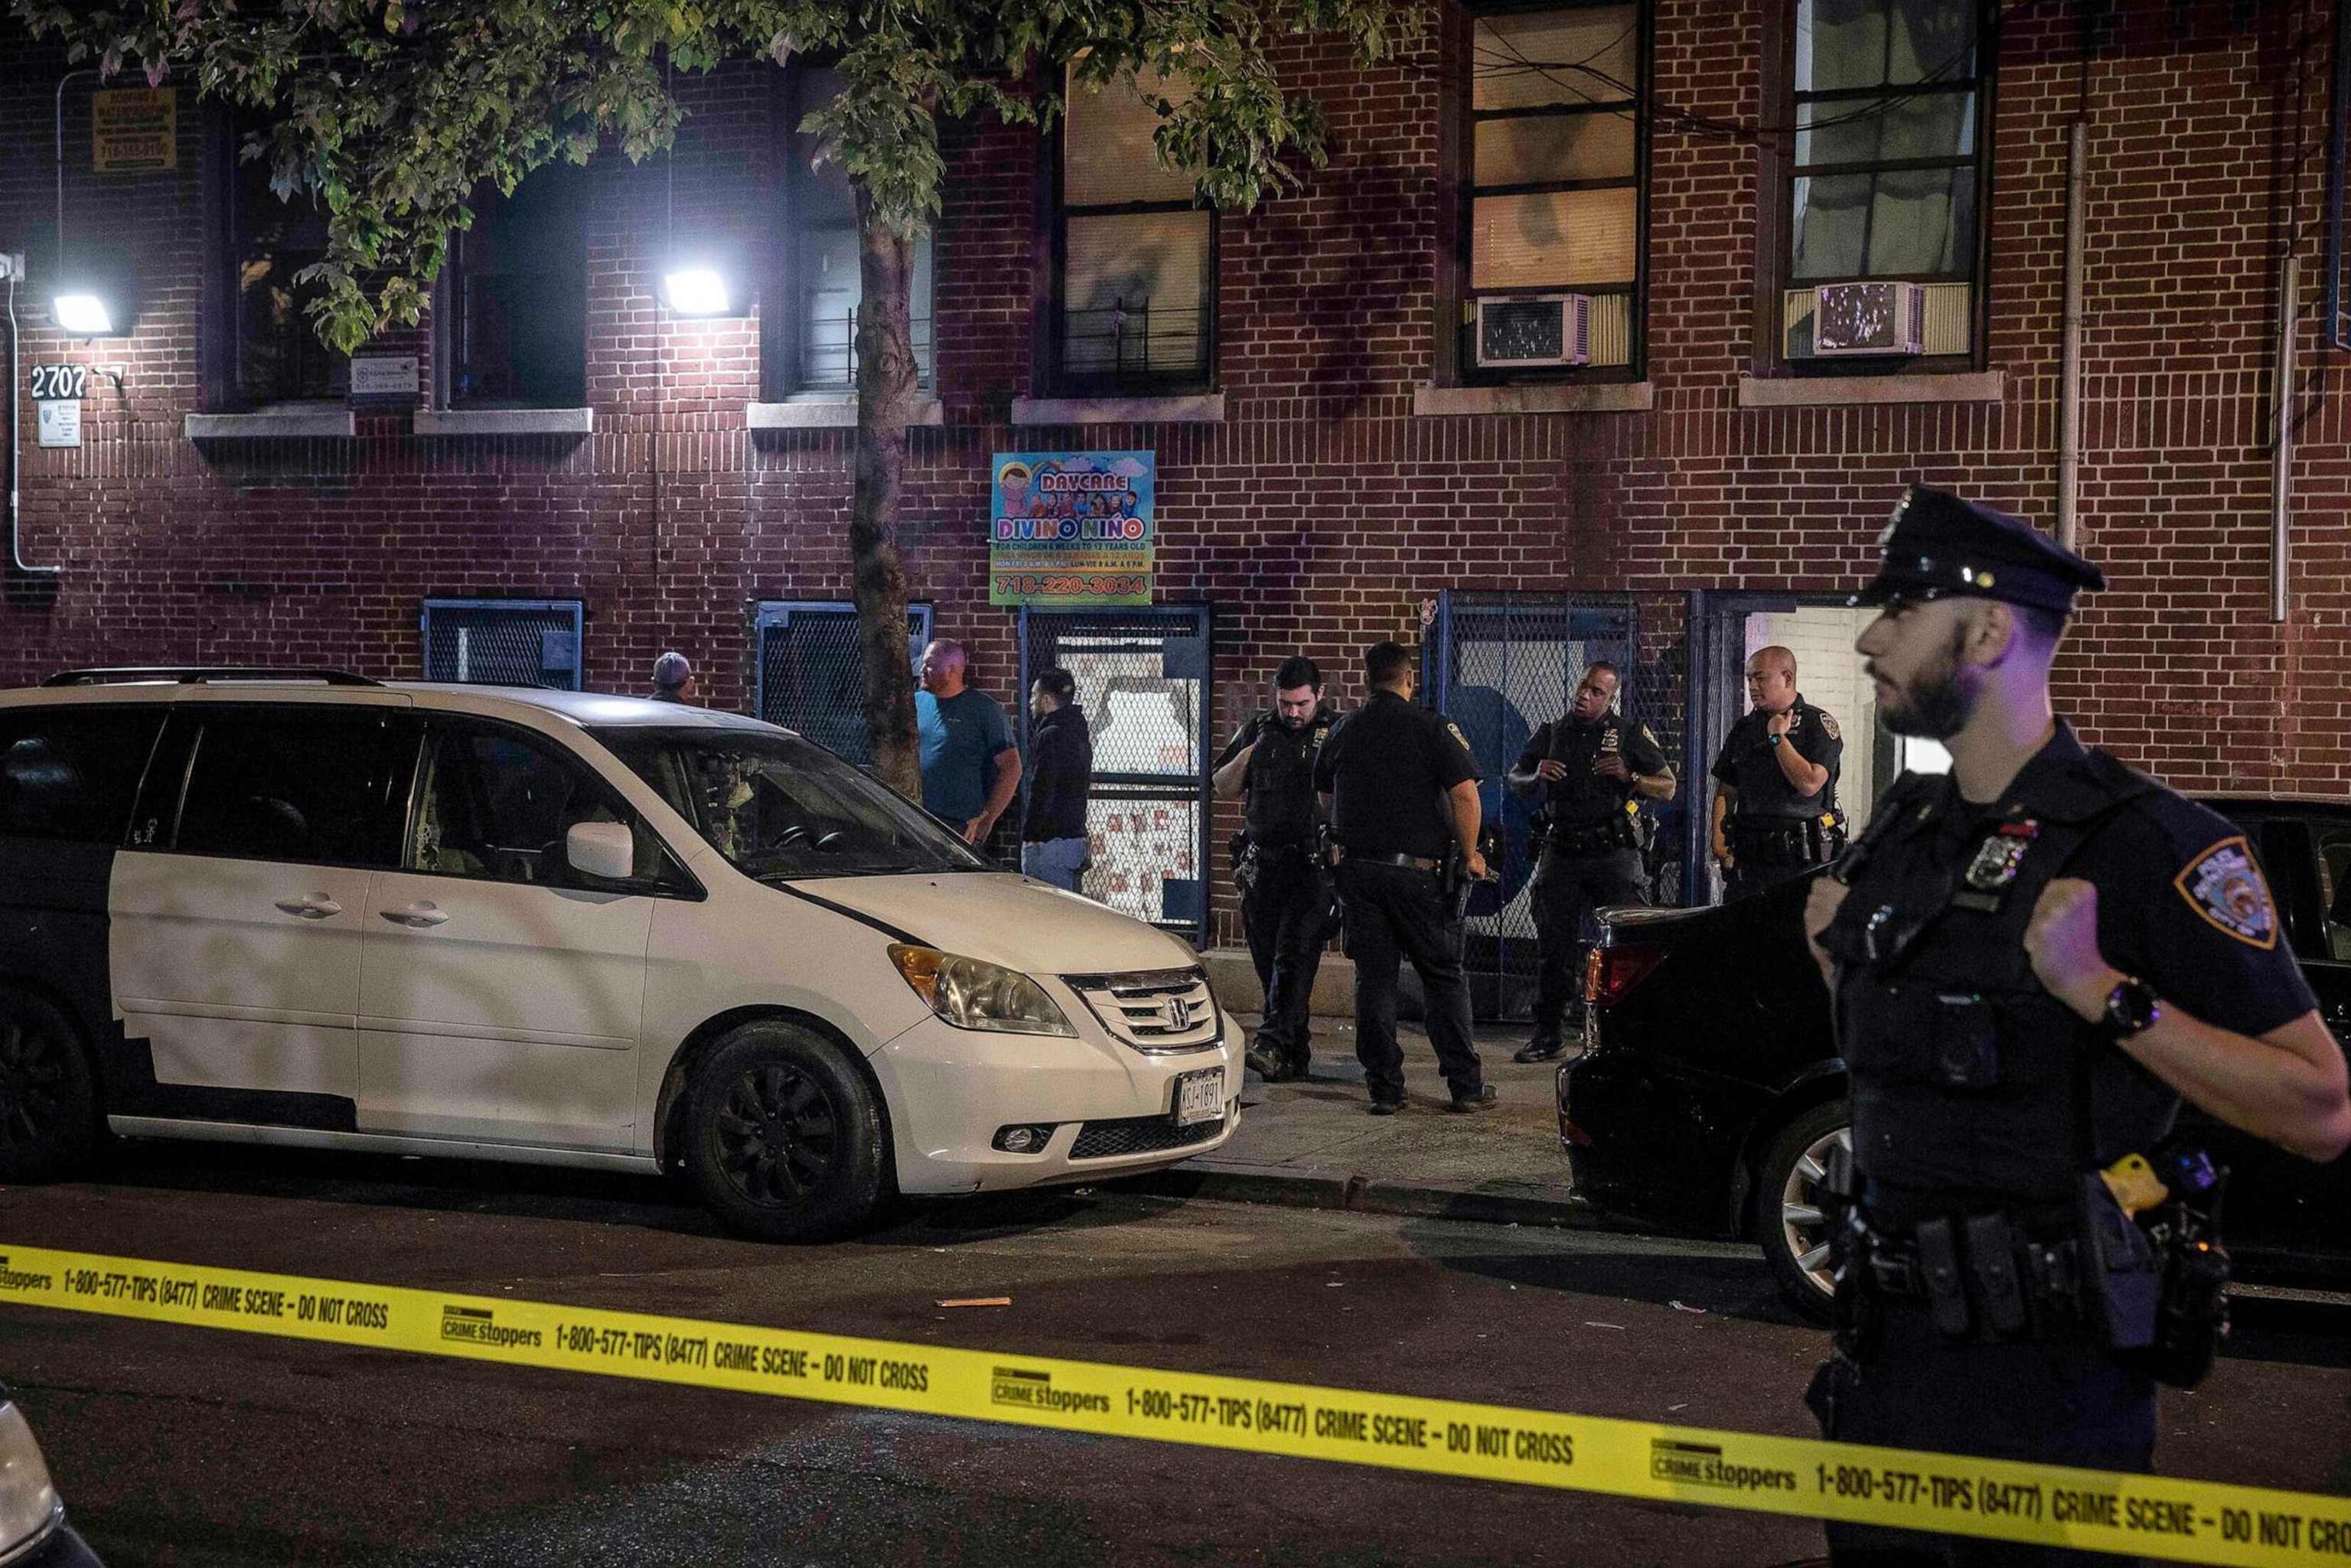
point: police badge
(1997, 861)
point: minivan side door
(502, 991)
(234, 948)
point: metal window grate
(504, 642)
(811, 678)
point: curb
(1367, 1195)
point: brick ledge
(505, 420)
(1831, 391)
(1199, 407)
(289, 425)
(1567, 397)
(826, 413)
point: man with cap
(2033, 958)
(673, 678)
(1775, 812)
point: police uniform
(1286, 897)
(1387, 767)
(1774, 832)
(1993, 1300)
(1589, 855)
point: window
(812, 673)
(514, 312)
(497, 805)
(71, 773)
(810, 340)
(1135, 261)
(271, 239)
(1555, 147)
(1887, 180)
(322, 785)
(504, 642)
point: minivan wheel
(49, 1103)
(784, 1139)
(1789, 1223)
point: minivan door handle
(310, 906)
(417, 915)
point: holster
(2120, 1280)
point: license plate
(1200, 1097)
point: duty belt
(1595, 838)
(1417, 862)
(1984, 1277)
(1785, 840)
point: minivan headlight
(28, 1502)
(971, 993)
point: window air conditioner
(1534, 329)
(1869, 319)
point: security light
(697, 291)
(82, 314)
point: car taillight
(1610, 973)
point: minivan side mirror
(607, 850)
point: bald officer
(1775, 810)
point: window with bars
(811, 338)
(514, 315)
(271, 238)
(1889, 98)
(1556, 105)
(1135, 273)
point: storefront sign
(135, 130)
(1070, 529)
(383, 380)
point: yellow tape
(2179, 1520)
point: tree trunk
(885, 396)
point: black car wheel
(784, 1137)
(1789, 1224)
(48, 1106)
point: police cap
(1937, 546)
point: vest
(1973, 1088)
(1281, 809)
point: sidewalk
(1312, 1145)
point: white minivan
(318, 910)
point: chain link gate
(810, 677)
(504, 642)
(1502, 665)
(1143, 679)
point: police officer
(2033, 958)
(1775, 812)
(1588, 766)
(1403, 792)
(1286, 897)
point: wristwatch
(1773, 739)
(2131, 1009)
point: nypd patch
(1829, 728)
(2224, 885)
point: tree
(392, 112)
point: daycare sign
(1069, 529)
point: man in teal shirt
(970, 767)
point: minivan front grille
(1155, 1011)
(1139, 1135)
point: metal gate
(1143, 678)
(504, 642)
(811, 674)
(1500, 666)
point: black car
(1709, 1091)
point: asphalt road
(182, 1446)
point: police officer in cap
(1775, 812)
(1286, 898)
(1403, 790)
(1589, 766)
(2033, 958)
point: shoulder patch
(1652, 739)
(1829, 725)
(2224, 885)
(1454, 730)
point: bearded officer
(1285, 900)
(2033, 958)
(1775, 813)
(1589, 766)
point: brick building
(1331, 450)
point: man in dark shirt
(1286, 895)
(1053, 837)
(1589, 766)
(2033, 958)
(1775, 810)
(1403, 792)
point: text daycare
(1069, 529)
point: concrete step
(1233, 979)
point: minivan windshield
(780, 807)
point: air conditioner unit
(1534, 329)
(1869, 319)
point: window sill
(1195, 408)
(280, 425)
(827, 412)
(1831, 391)
(505, 422)
(1565, 397)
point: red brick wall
(1321, 510)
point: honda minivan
(315, 910)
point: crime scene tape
(2146, 1516)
